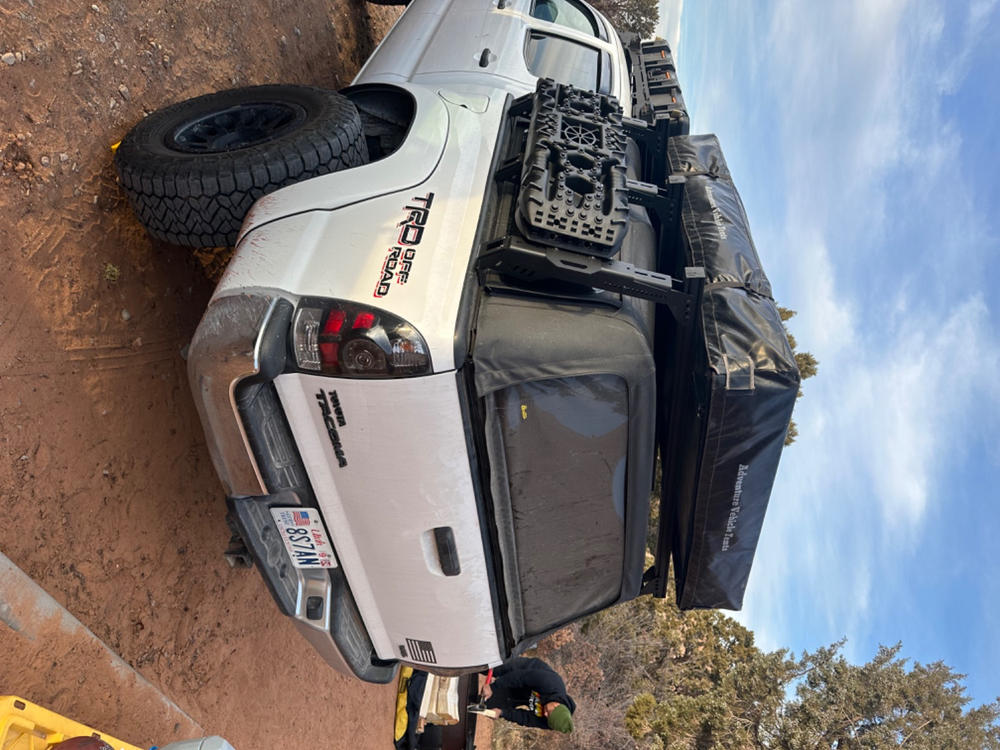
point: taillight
(356, 341)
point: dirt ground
(107, 495)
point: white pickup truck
(472, 296)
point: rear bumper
(223, 353)
(318, 601)
(237, 350)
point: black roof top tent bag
(735, 408)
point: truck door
(501, 44)
(560, 39)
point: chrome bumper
(241, 339)
(223, 352)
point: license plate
(304, 537)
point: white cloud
(879, 256)
(914, 397)
(670, 23)
(826, 317)
(976, 23)
(878, 431)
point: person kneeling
(530, 693)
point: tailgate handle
(444, 538)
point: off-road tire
(199, 198)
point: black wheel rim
(236, 127)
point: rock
(123, 90)
(9, 58)
(19, 56)
(112, 273)
(95, 9)
(126, 315)
(45, 161)
(101, 38)
(63, 158)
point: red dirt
(50, 655)
(107, 495)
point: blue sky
(863, 135)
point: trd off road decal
(333, 418)
(399, 258)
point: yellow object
(25, 726)
(401, 718)
(114, 146)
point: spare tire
(192, 170)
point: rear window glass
(564, 61)
(567, 13)
(565, 442)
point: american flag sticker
(421, 651)
(300, 518)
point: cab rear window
(567, 61)
(569, 13)
(565, 442)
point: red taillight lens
(334, 321)
(328, 353)
(364, 321)
(376, 343)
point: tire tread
(201, 201)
